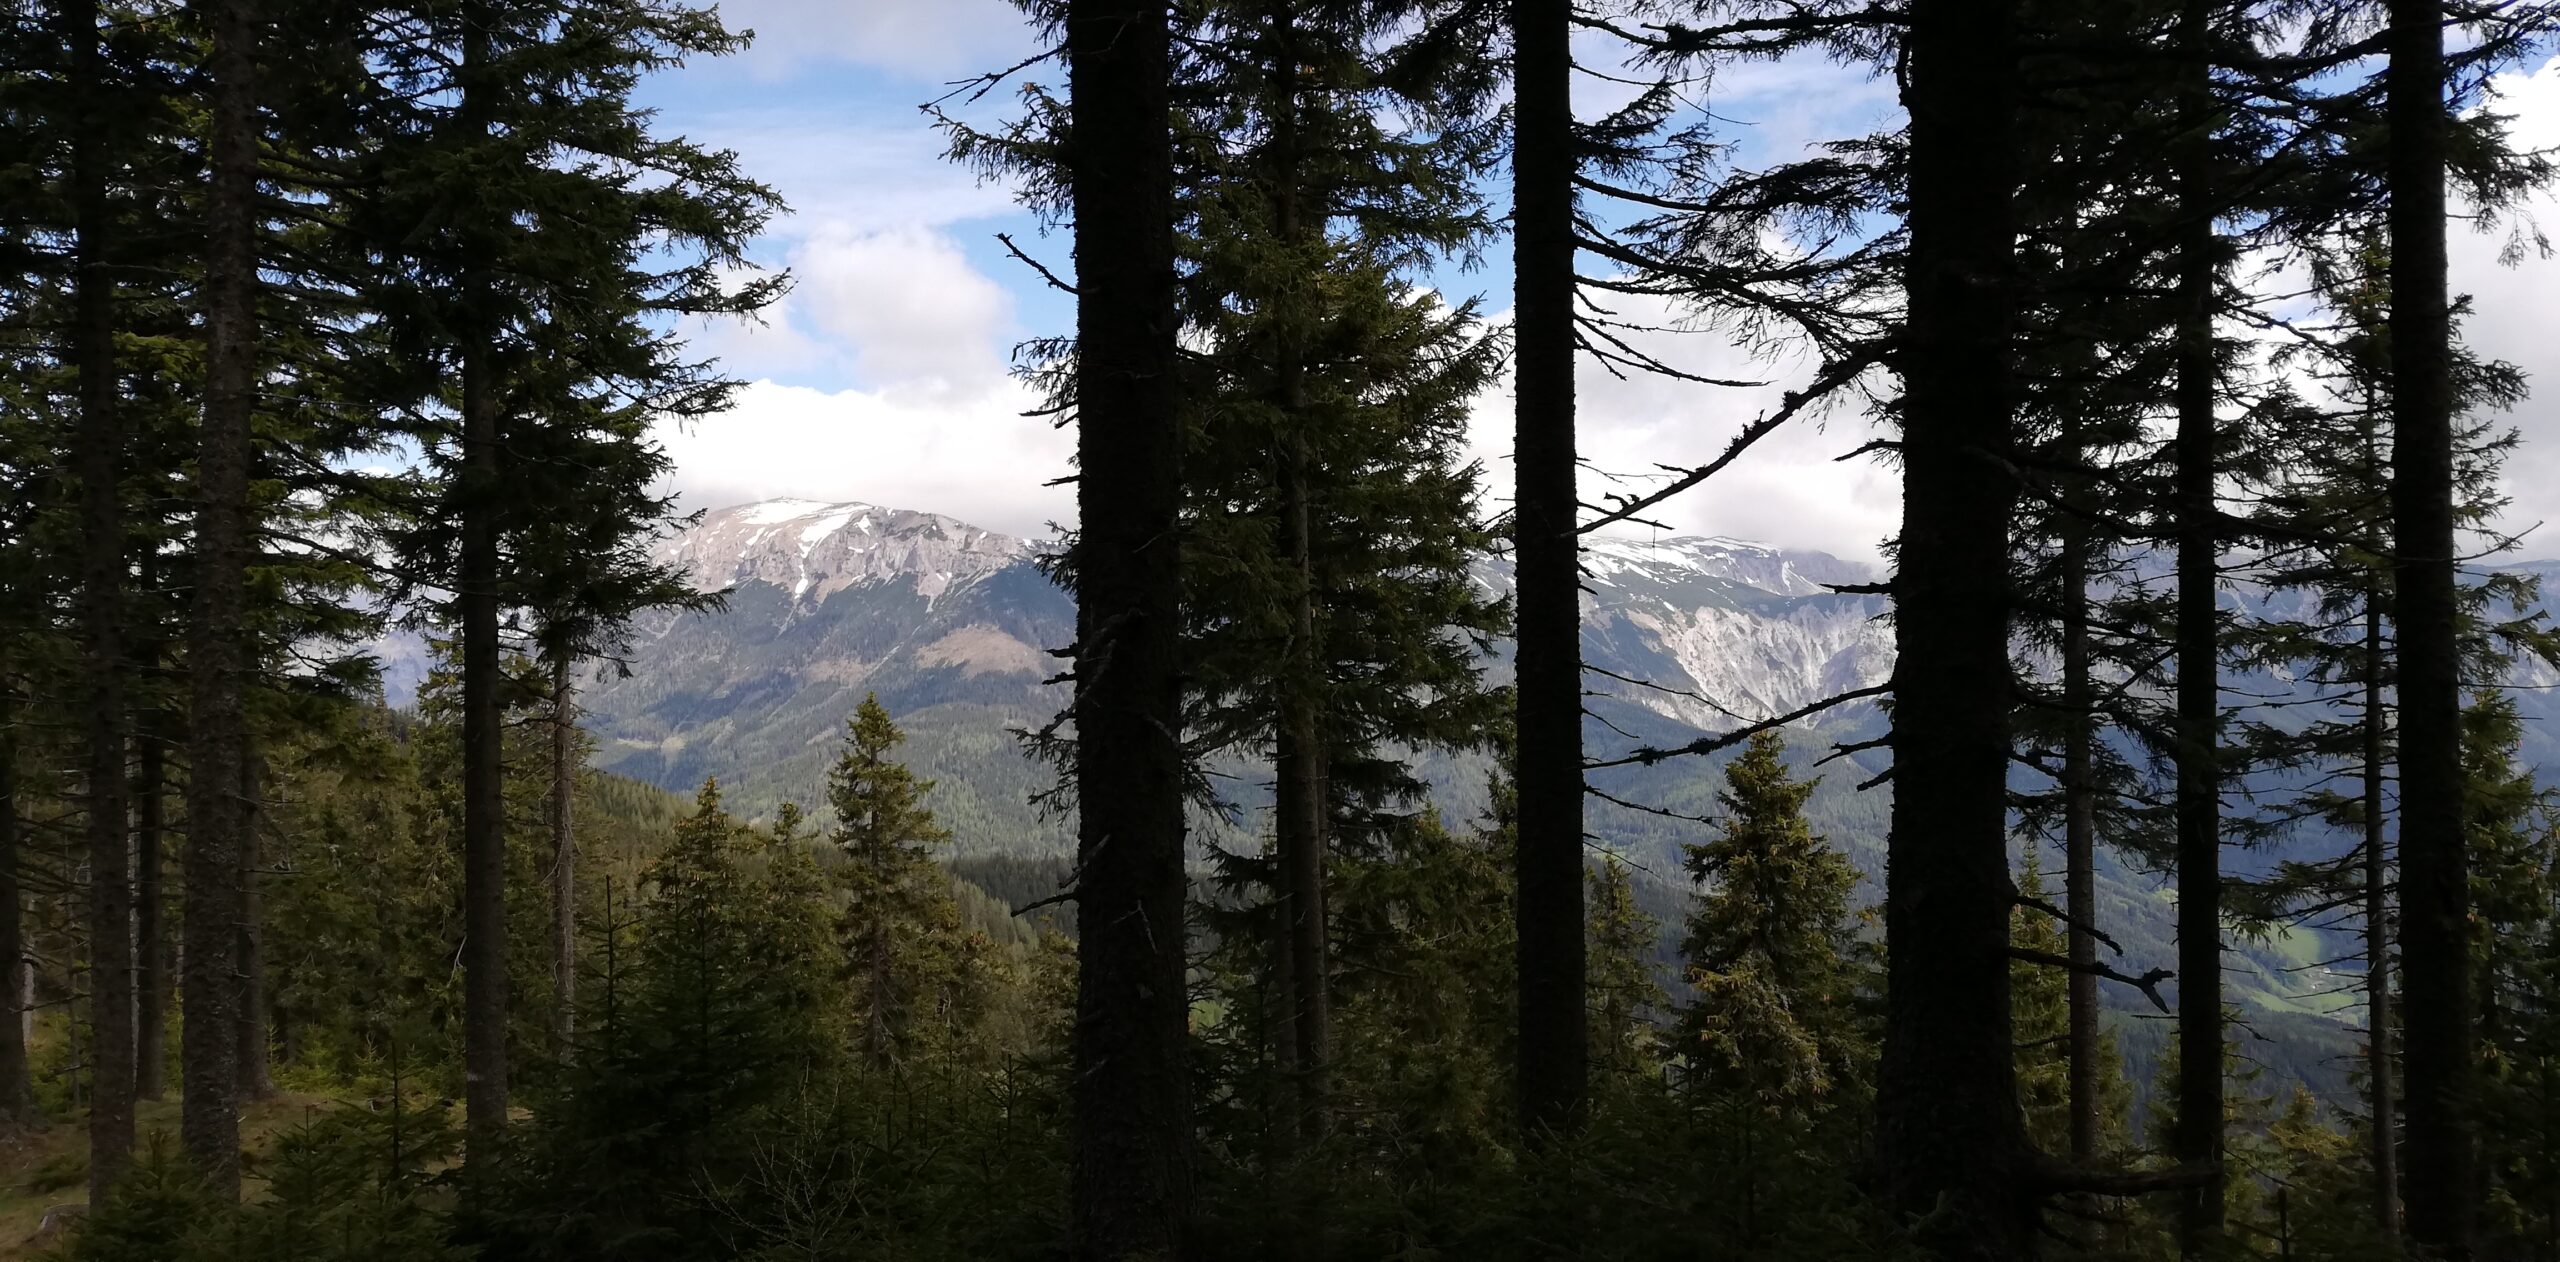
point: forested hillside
(434, 827)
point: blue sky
(883, 377)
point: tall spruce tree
(1949, 1133)
(1546, 508)
(2198, 804)
(89, 88)
(2435, 894)
(523, 282)
(218, 820)
(1130, 1138)
(1330, 522)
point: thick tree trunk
(2435, 896)
(2385, 1153)
(484, 862)
(218, 633)
(151, 948)
(2080, 847)
(2198, 808)
(484, 806)
(1950, 1138)
(100, 463)
(1130, 1135)
(255, 1081)
(17, 1087)
(1554, 1048)
(564, 857)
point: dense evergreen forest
(321, 319)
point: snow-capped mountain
(830, 600)
(815, 550)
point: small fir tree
(1769, 947)
(911, 961)
(1624, 996)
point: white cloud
(1790, 489)
(922, 39)
(2516, 313)
(975, 458)
(900, 310)
(914, 312)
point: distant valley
(952, 626)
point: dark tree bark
(1300, 814)
(2198, 806)
(484, 806)
(218, 632)
(100, 462)
(150, 892)
(1130, 1136)
(1950, 1138)
(1554, 1050)
(1302, 857)
(18, 1109)
(2080, 847)
(2435, 896)
(564, 856)
(255, 1081)
(2379, 1087)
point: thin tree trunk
(2080, 847)
(17, 1088)
(1554, 1046)
(484, 856)
(1950, 1137)
(151, 948)
(2198, 808)
(255, 1081)
(1130, 1130)
(2435, 897)
(1301, 758)
(564, 857)
(1301, 828)
(2377, 938)
(102, 596)
(217, 650)
(1282, 1015)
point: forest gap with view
(1133, 630)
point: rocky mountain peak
(813, 549)
(1613, 560)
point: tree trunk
(255, 1081)
(17, 1088)
(1554, 1049)
(1300, 754)
(2377, 938)
(2080, 845)
(217, 650)
(151, 949)
(484, 806)
(1130, 1134)
(1302, 856)
(2435, 896)
(564, 857)
(2198, 808)
(1950, 1137)
(100, 463)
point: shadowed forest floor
(49, 1169)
